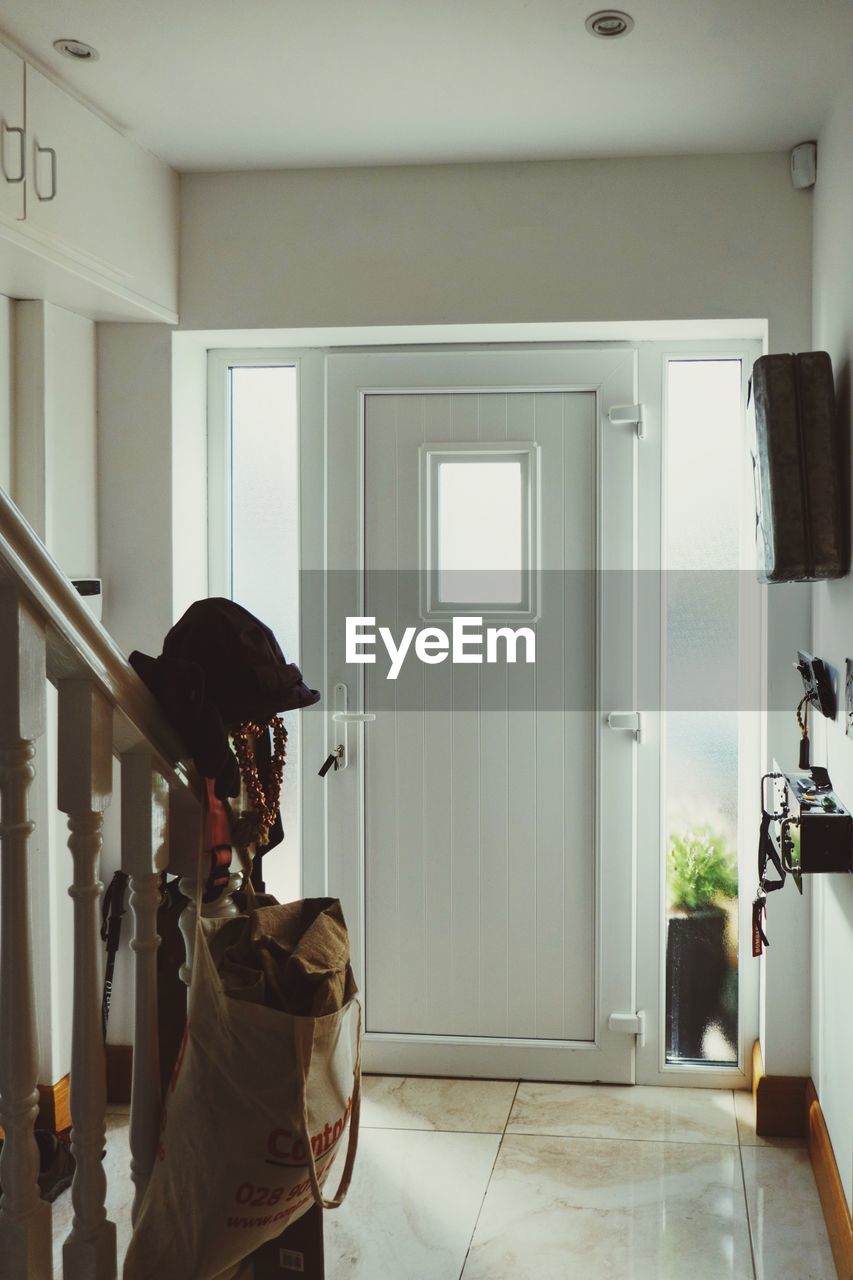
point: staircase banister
(79, 646)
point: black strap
(767, 853)
(112, 910)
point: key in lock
(331, 761)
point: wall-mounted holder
(817, 683)
(805, 829)
(810, 828)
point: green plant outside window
(701, 870)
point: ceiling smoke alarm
(76, 49)
(609, 23)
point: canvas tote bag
(260, 1099)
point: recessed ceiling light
(76, 49)
(609, 23)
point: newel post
(85, 790)
(25, 1219)
(144, 854)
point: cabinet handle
(22, 161)
(47, 151)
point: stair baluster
(25, 1219)
(145, 853)
(84, 791)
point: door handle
(47, 151)
(344, 717)
(22, 160)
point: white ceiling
(213, 84)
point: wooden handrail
(79, 646)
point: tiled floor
(487, 1180)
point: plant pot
(695, 976)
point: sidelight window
(702, 723)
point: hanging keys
(331, 761)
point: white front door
(482, 835)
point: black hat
(220, 667)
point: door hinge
(629, 1024)
(629, 415)
(626, 722)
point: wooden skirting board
(836, 1211)
(788, 1107)
(54, 1108)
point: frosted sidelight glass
(703, 476)
(265, 556)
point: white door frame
(612, 375)
(314, 438)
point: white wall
(713, 237)
(832, 967)
(135, 482)
(55, 451)
(785, 1030)
(701, 237)
(72, 503)
(682, 237)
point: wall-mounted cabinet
(13, 148)
(87, 218)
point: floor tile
(611, 1210)
(613, 1111)
(412, 1206)
(745, 1114)
(788, 1231)
(454, 1106)
(120, 1192)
